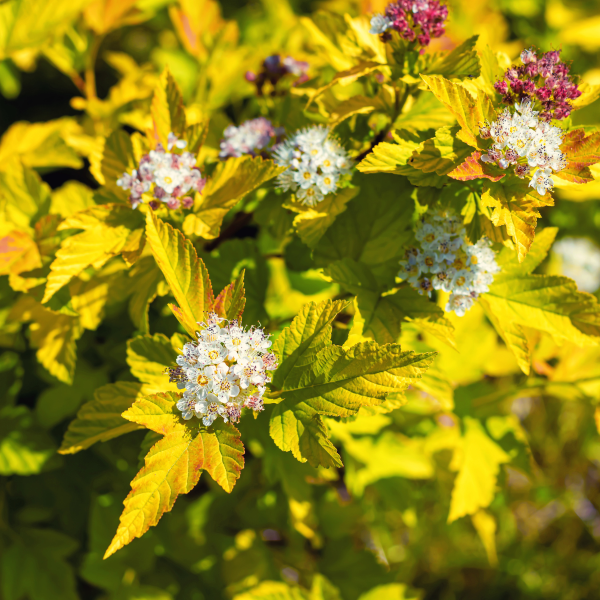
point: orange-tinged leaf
(470, 112)
(172, 467)
(184, 271)
(224, 450)
(229, 304)
(473, 168)
(581, 152)
(18, 253)
(168, 114)
(515, 206)
(105, 15)
(597, 418)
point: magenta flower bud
(173, 203)
(501, 87)
(511, 74)
(553, 56)
(516, 86)
(522, 170)
(528, 87)
(154, 205)
(543, 93)
(484, 132)
(511, 156)
(187, 202)
(531, 70)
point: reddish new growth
(545, 80)
(415, 20)
(274, 69)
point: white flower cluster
(169, 175)
(380, 24)
(316, 164)
(250, 137)
(580, 260)
(224, 371)
(445, 261)
(523, 140)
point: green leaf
(316, 378)
(149, 356)
(373, 229)
(440, 154)
(311, 222)
(24, 448)
(230, 182)
(389, 591)
(379, 312)
(426, 113)
(347, 77)
(460, 62)
(274, 590)
(227, 262)
(477, 459)
(184, 271)
(470, 112)
(145, 278)
(168, 114)
(35, 566)
(100, 420)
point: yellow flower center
(202, 380)
(236, 342)
(307, 175)
(326, 163)
(429, 261)
(430, 237)
(327, 181)
(212, 354)
(168, 180)
(474, 260)
(460, 281)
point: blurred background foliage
(377, 529)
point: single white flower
(379, 24)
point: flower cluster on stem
(168, 176)
(316, 164)
(444, 260)
(274, 69)
(545, 81)
(223, 371)
(415, 20)
(251, 137)
(525, 142)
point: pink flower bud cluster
(171, 177)
(545, 81)
(274, 69)
(251, 137)
(415, 20)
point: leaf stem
(90, 73)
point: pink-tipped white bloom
(251, 137)
(169, 177)
(223, 371)
(316, 165)
(445, 261)
(530, 145)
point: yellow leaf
(230, 182)
(173, 466)
(470, 112)
(105, 15)
(168, 114)
(149, 356)
(311, 222)
(89, 248)
(485, 524)
(100, 420)
(71, 198)
(29, 23)
(477, 459)
(40, 145)
(18, 253)
(54, 335)
(184, 271)
(89, 299)
(515, 206)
